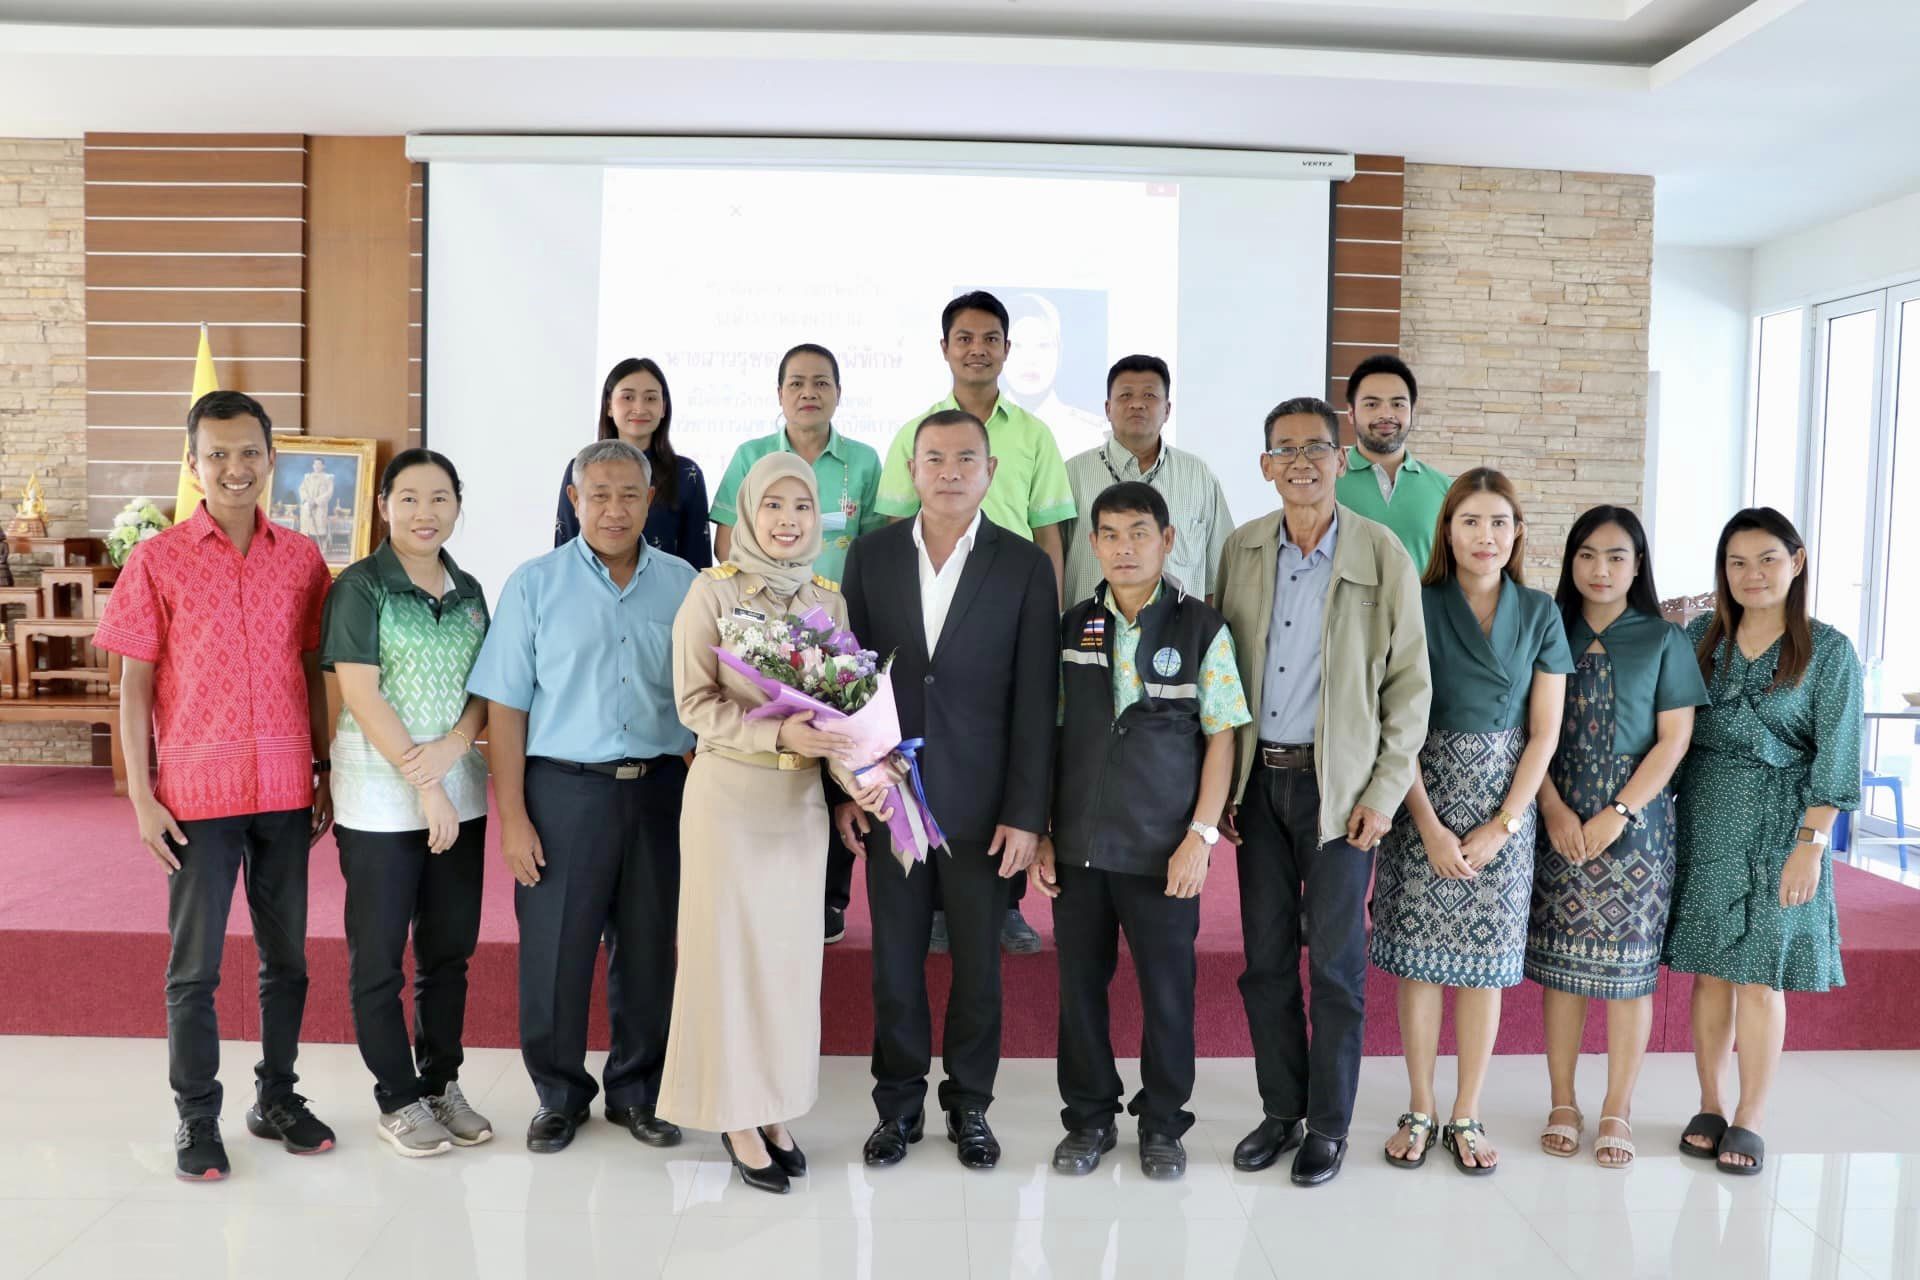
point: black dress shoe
(1162, 1157)
(769, 1177)
(1318, 1160)
(644, 1125)
(1080, 1151)
(1267, 1142)
(887, 1144)
(968, 1130)
(553, 1130)
(792, 1161)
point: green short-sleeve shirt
(848, 473)
(1413, 512)
(1654, 670)
(1481, 682)
(425, 648)
(1030, 489)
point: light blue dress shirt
(1290, 692)
(591, 664)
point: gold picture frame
(348, 496)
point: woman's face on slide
(808, 393)
(1033, 357)
(1482, 533)
(786, 518)
(635, 407)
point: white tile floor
(86, 1188)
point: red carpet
(83, 948)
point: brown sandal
(1568, 1133)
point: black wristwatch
(323, 766)
(1620, 807)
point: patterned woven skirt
(1597, 928)
(1457, 933)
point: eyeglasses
(1315, 451)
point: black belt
(1283, 755)
(621, 770)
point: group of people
(1423, 764)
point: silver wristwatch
(1209, 835)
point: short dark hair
(418, 458)
(1141, 364)
(1382, 363)
(1301, 405)
(951, 418)
(224, 406)
(1130, 496)
(977, 300)
(808, 349)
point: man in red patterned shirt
(218, 619)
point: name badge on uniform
(751, 615)
(1094, 634)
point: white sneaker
(413, 1132)
(467, 1127)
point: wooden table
(62, 551)
(82, 581)
(78, 632)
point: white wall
(1864, 250)
(1697, 420)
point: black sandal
(1742, 1142)
(1705, 1125)
(1460, 1132)
(1419, 1127)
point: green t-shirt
(848, 474)
(1030, 489)
(425, 648)
(1419, 492)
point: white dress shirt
(937, 585)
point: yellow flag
(187, 492)
(204, 378)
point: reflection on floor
(86, 1188)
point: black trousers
(1286, 872)
(902, 906)
(613, 868)
(1094, 908)
(839, 857)
(269, 852)
(394, 885)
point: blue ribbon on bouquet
(909, 751)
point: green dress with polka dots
(1761, 757)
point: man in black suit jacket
(969, 613)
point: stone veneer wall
(1525, 303)
(43, 373)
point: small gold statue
(30, 520)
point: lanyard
(1146, 477)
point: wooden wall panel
(183, 229)
(1364, 268)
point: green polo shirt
(1419, 491)
(1482, 682)
(1654, 670)
(425, 647)
(1030, 489)
(848, 474)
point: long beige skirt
(744, 1049)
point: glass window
(1776, 419)
(1847, 398)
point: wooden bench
(87, 708)
(54, 692)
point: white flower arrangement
(137, 521)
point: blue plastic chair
(1843, 827)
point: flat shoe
(1568, 1133)
(1420, 1128)
(1742, 1142)
(1607, 1142)
(1705, 1125)
(1463, 1133)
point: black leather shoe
(887, 1144)
(1080, 1151)
(967, 1129)
(1267, 1143)
(1162, 1158)
(769, 1177)
(553, 1130)
(644, 1125)
(1318, 1160)
(792, 1161)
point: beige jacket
(1374, 683)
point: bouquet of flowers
(805, 663)
(137, 521)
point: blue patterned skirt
(1457, 933)
(1597, 928)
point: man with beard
(1385, 482)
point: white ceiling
(1786, 113)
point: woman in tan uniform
(743, 1056)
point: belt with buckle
(785, 761)
(619, 770)
(1281, 755)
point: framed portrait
(324, 488)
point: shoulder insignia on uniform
(825, 584)
(722, 571)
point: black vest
(1126, 786)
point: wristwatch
(1507, 820)
(1811, 835)
(322, 766)
(1620, 807)
(1210, 836)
